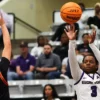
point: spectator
(82, 6)
(36, 51)
(60, 31)
(62, 50)
(64, 65)
(95, 21)
(84, 49)
(65, 70)
(11, 74)
(49, 93)
(25, 63)
(47, 64)
(68, 72)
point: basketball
(70, 12)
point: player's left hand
(91, 37)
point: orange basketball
(70, 12)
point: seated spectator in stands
(11, 74)
(62, 50)
(25, 63)
(65, 70)
(95, 21)
(60, 31)
(47, 63)
(64, 65)
(36, 51)
(84, 49)
(49, 93)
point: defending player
(87, 78)
(4, 62)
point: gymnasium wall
(37, 13)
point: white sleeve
(74, 66)
(95, 51)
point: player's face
(89, 64)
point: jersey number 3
(94, 91)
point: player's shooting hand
(2, 22)
(70, 31)
(92, 36)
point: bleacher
(34, 88)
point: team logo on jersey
(87, 82)
(97, 82)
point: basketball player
(87, 78)
(4, 62)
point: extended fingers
(72, 26)
(65, 30)
(67, 27)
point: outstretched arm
(6, 40)
(74, 66)
(95, 50)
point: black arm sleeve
(4, 64)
